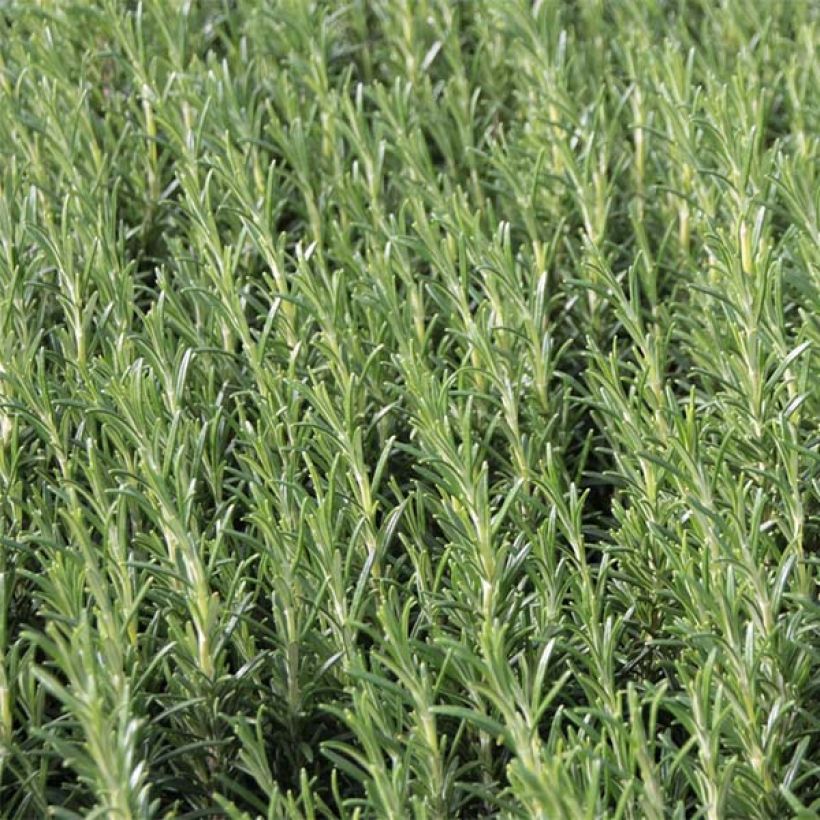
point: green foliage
(409, 409)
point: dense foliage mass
(409, 409)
